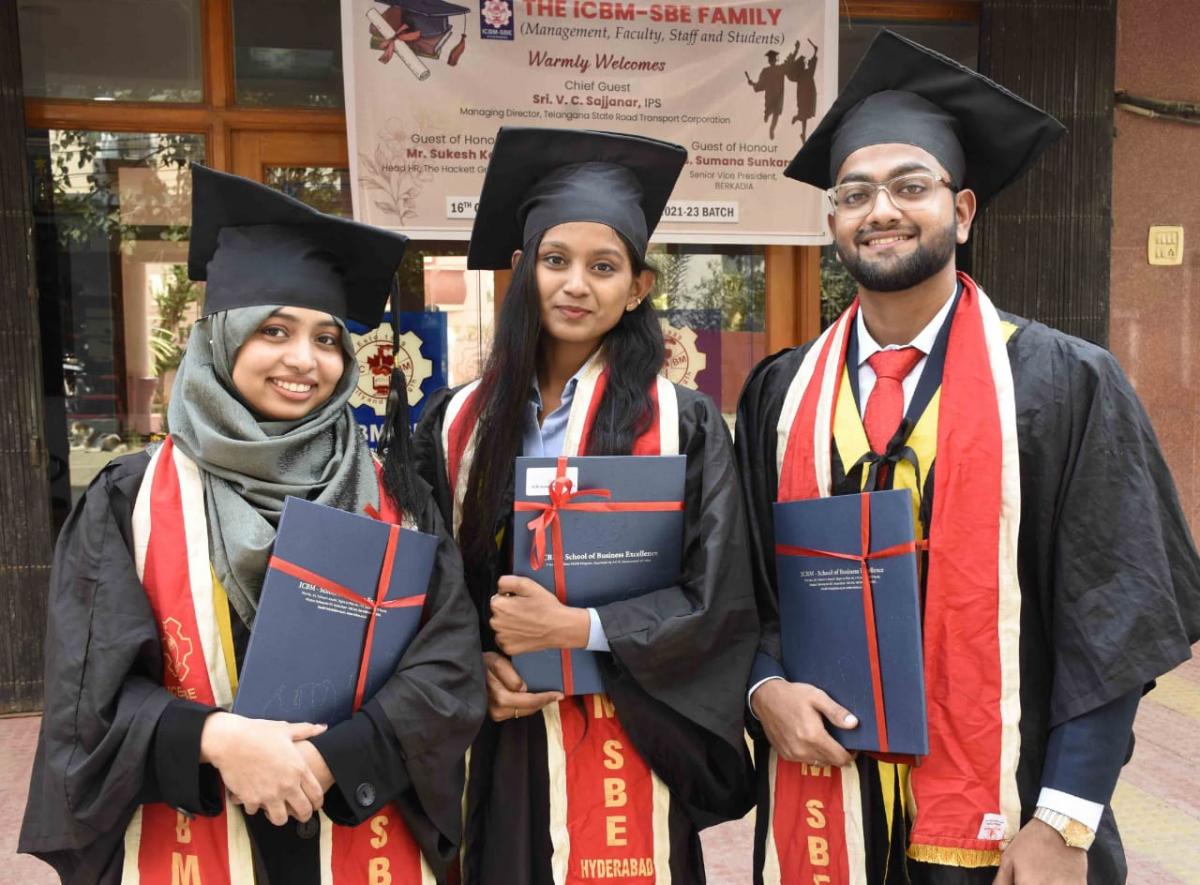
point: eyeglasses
(914, 190)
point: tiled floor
(18, 737)
(1157, 802)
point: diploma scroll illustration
(400, 49)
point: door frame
(253, 150)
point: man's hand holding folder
(792, 715)
(850, 628)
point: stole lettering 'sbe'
(379, 869)
(818, 846)
(614, 787)
(615, 796)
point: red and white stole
(608, 811)
(964, 794)
(161, 844)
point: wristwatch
(1074, 833)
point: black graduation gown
(1109, 574)
(113, 738)
(677, 679)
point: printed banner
(739, 83)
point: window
(711, 302)
(119, 50)
(288, 53)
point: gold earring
(633, 306)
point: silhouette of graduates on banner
(772, 83)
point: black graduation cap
(538, 178)
(903, 93)
(257, 246)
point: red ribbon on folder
(562, 497)
(868, 590)
(373, 606)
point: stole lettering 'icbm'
(185, 867)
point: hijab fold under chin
(250, 465)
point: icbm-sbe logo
(684, 359)
(177, 648)
(496, 19)
(376, 358)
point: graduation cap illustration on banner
(415, 29)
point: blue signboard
(420, 352)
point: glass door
(111, 218)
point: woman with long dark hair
(141, 773)
(614, 785)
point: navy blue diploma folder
(826, 630)
(302, 664)
(610, 555)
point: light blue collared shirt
(546, 440)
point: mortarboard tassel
(395, 447)
(457, 51)
(395, 437)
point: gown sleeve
(1084, 755)
(681, 654)
(103, 686)
(1103, 538)
(184, 782)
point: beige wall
(1155, 311)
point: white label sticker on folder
(992, 828)
(538, 479)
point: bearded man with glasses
(1060, 578)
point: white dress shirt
(868, 347)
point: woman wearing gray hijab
(141, 774)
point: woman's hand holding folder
(508, 697)
(526, 617)
(261, 764)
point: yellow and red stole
(163, 845)
(609, 812)
(963, 796)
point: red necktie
(885, 405)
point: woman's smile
(297, 391)
(572, 312)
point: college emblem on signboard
(496, 19)
(375, 362)
(684, 359)
(176, 648)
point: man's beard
(925, 261)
